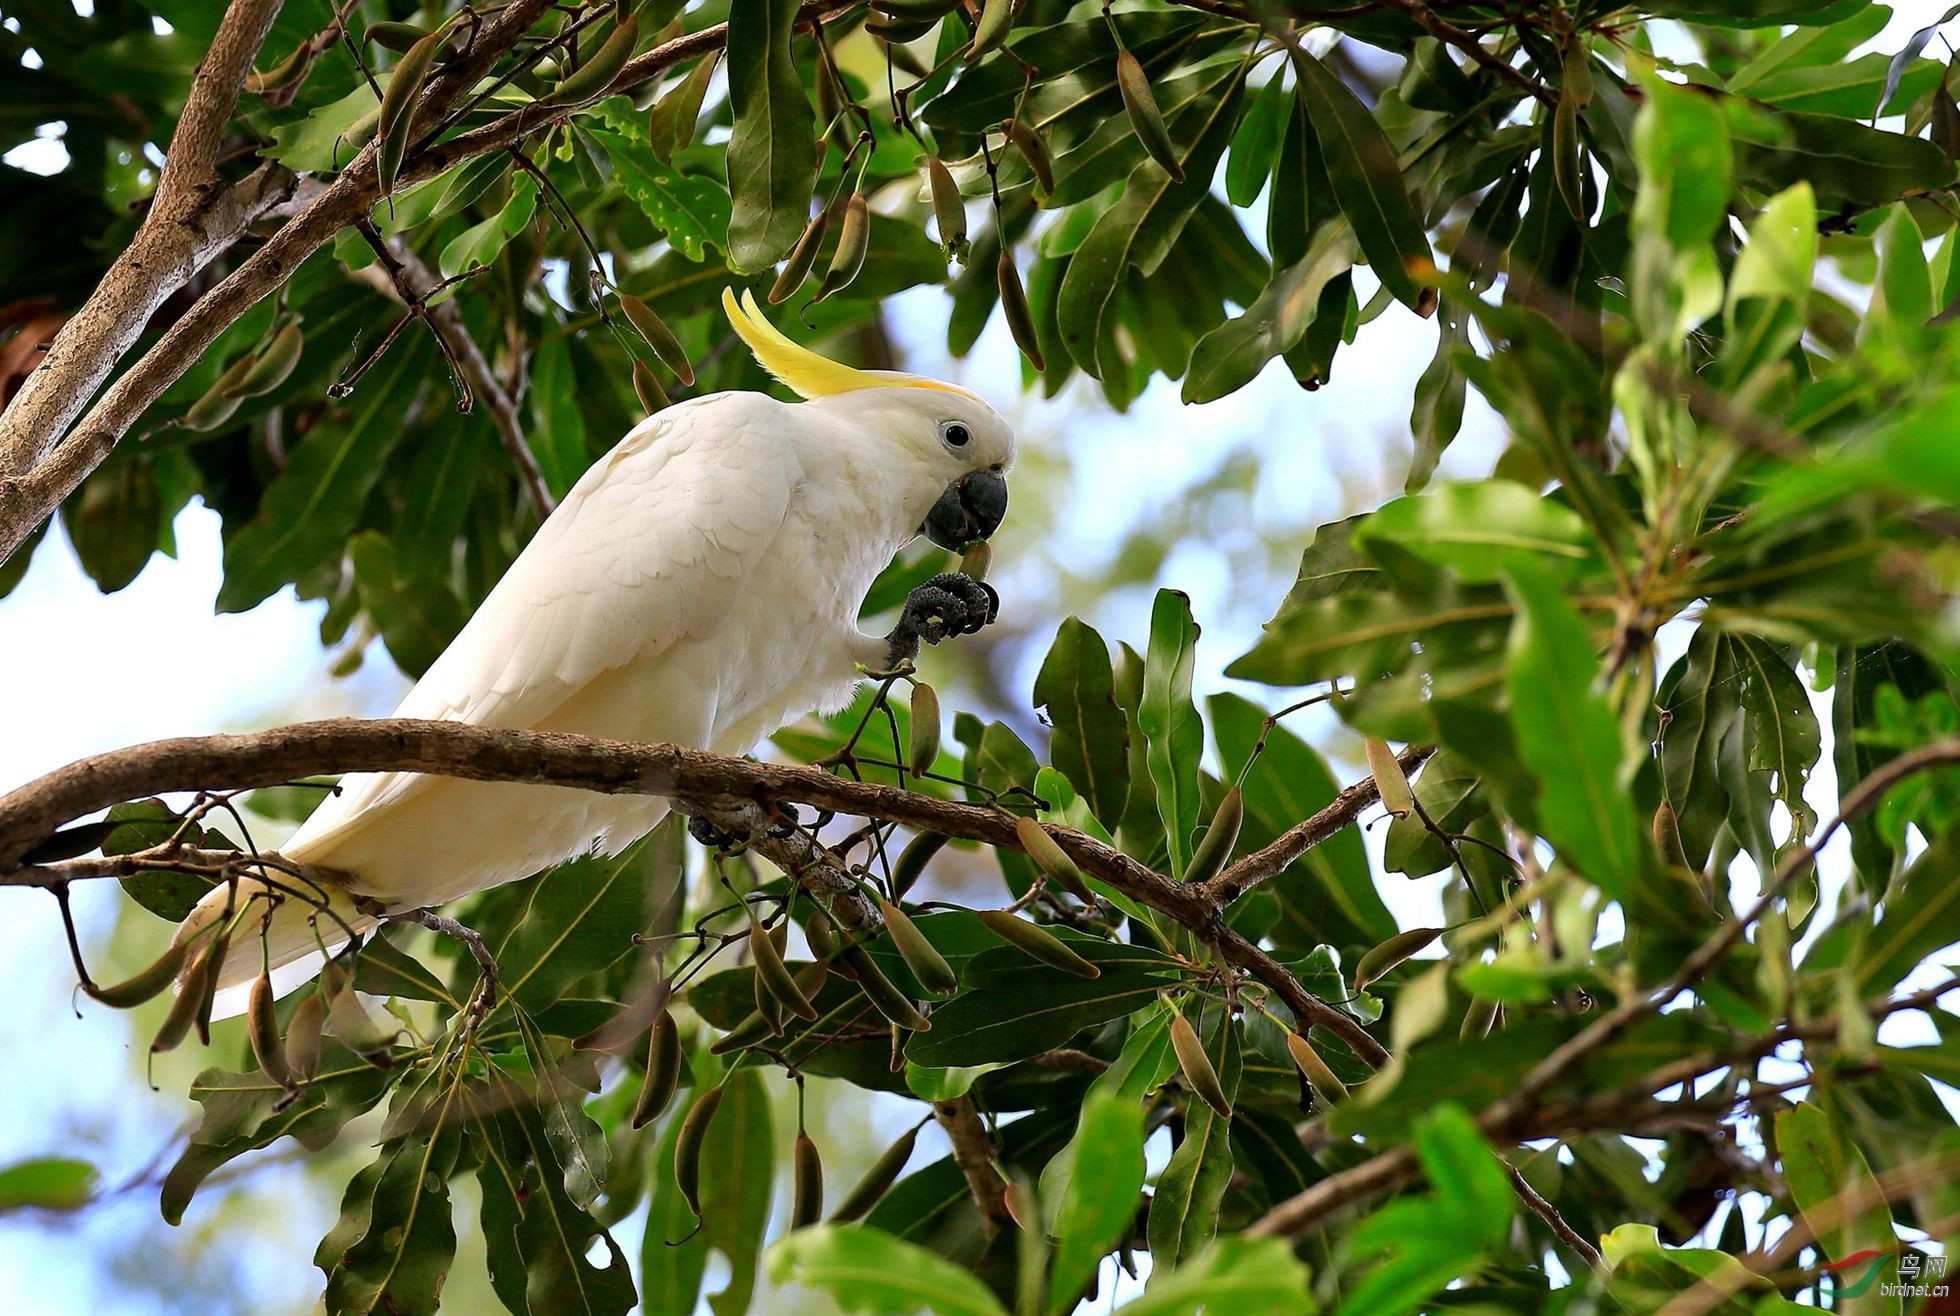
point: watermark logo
(1916, 1276)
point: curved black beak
(972, 508)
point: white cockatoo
(700, 586)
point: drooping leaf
(772, 159)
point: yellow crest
(808, 374)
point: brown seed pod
(920, 956)
(192, 990)
(821, 936)
(853, 241)
(1380, 959)
(796, 267)
(1326, 1085)
(688, 1145)
(1037, 942)
(774, 976)
(271, 367)
(1146, 120)
(663, 1071)
(1390, 780)
(806, 1195)
(303, 1036)
(646, 386)
(978, 559)
(284, 74)
(948, 206)
(215, 957)
(398, 37)
(1197, 1067)
(1051, 859)
(145, 984)
(996, 20)
(658, 336)
(216, 405)
(1667, 837)
(890, 1002)
(877, 1180)
(262, 1025)
(1219, 838)
(911, 863)
(923, 751)
(1033, 150)
(1014, 303)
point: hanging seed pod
(398, 37)
(144, 985)
(806, 1194)
(1390, 953)
(924, 749)
(635, 1016)
(597, 73)
(271, 367)
(284, 74)
(1017, 1198)
(745, 1034)
(996, 20)
(911, 863)
(1390, 780)
(774, 976)
(887, 999)
(1014, 303)
(303, 1036)
(1051, 859)
(688, 1146)
(215, 407)
(821, 936)
(977, 561)
(1198, 1071)
(1146, 120)
(215, 960)
(192, 991)
(853, 241)
(647, 388)
(1326, 1085)
(920, 956)
(767, 1005)
(350, 1021)
(1667, 837)
(877, 1180)
(1219, 838)
(405, 83)
(1477, 1020)
(1033, 150)
(897, 31)
(663, 1071)
(1038, 942)
(801, 257)
(658, 336)
(263, 1027)
(948, 206)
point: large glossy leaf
(690, 210)
(867, 1270)
(1476, 530)
(1184, 1211)
(1174, 734)
(1090, 746)
(772, 159)
(1104, 1179)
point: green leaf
(772, 158)
(1463, 1172)
(114, 522)
(1827, 1173)
(1090, 747)
(1904, 295)
(1233, 1274)
(537, 1241)
(398, 1261)
(672, 1264)
(736, 1194)
(484, 241)
(321, 141)
(557, 434)
(1174, 734)
(1477, 530)
(867, 1270)
(417, 616)
(50, 1183)
(1367, 181)
(168, 894)
(1682, 147)
(1916, 920)
(1847, 163)
(691, 211)
(1255, 146)
(1450, 791)
(1227, 358)
(1700, 698)
(1104, 1178)
(1184, 1212)
(1568, 736)
(1787, 739)
(1016, 1008)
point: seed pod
(192, 990)
(1033, 151)
(977, 560)
(896, 32)
(1051, 859)
(263, 1027)
(1146, 120)
(821, 936)
(216, 406)
(1018, 1200)
(1390, 953)
(806, 1195)
(767, 1005)
(996, 20)
(948, 206)
(774, 976)
(911, 863)
(663, 1071)
(1477, 1020)
(281, 75)
(398, 37)
(597, 73)
(801, 257)
(889, 1001)
(303, 1036)
(877, 1180)
(1390, 780)
(924, 750)
(1014, 303)
(1326, 1085)
(920, 956)
(214, 962)
(744, 1034)
(1667, 837)
(144, 985)
(405, 82)
(688, 1145)
(1038, 942)
(658, 336)
(1219, 838)
(652, 397)
(350, 1021)
(1198, 1072)
(271, 367)
(853, 241)
(634, 1018)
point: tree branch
(973, 1152)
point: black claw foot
(947, 605)
(715, 838)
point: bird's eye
(955, 434)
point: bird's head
(948, 442)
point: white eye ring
(956, 434)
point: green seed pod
(1390, 953)
(1014, 304)
(1216, 846)
(597, 73)
(1667, 837)
(806, 1195)
(911, 863)
(143, 986)
(658, 336)
(1477, 1020)
(915, 9)
(216, 957)
(663, 1071)
(652, 397)
(948, 206)
(978, 560)
(1390, 780)
(284, 74)
(1050, 858)
(688, 1145)
(877, 1180)
(398, 37)
(766, 1005)
(924, 749)
(821, 936)
(1033, 150)
(1146, 120)
(898, 31)
(303, 1036)
(774, 976)
(920, 956)
(1326, 1085)
(263, 1027)
(996, 20)
(853, 241)
(216, 405)
(193, 990)
(1198, 1072)
(1038, 942)
(271, 367)
(357, 1030)
(745, 1034)
(887, 999)
(405, 82)
(801, 257)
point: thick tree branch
(973, 1152)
